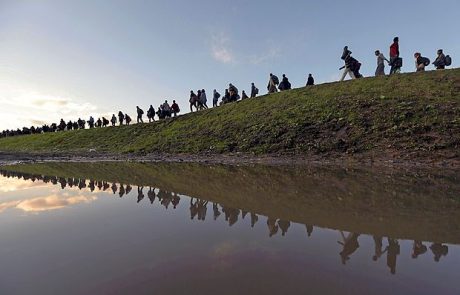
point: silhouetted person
(99, 123)
(418, 249)
(175, 108)
(310, 80)
(285, 84)
(193, 101)
(215, 98)
(273, 82)
(105, 122)
(244, 95)
(439, 250)
(63, 182)
(309, 229)
(140, 112)
(128, 189)
(254, 90)
(193, 208)
(350, 245)
(140, 193)
(393, 249)
(202, 210)
(114, 188)
(91, 185)
(105, 186)
(151, 114)
(121, 117)
(91, 122)
(113, 120)
(127, 119)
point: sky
(70, 59)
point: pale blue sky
(62, 58)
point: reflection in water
(198, 211)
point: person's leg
(344, 74)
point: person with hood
(380, 71)
(151, 114)
(140, 112)
(285, 84)
(254, 90)
(394, 57)
(215, 98)
(273, 82)
(121, 117)
(91, 122)
(166, 109)
(233, 91)
(310, 80)
(99, 123)
(244, 95)
(440, 62)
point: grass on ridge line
(417, 112)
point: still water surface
(114, 228)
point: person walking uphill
(285, 84)
(380, 71)
(140, 112)
(395, 61)
(121, 117)
(272, 83)
(421, 62)
(254, 90)
(215, 98)
(310, 80)
(442, 61)
(351, 67)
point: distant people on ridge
(193, 101)
(233, 92)
(203, 99)
(273, 82)
(254, 90)
(310, 80)
(215, 98)
(175, 108)
(140, 112)
(121, 117)
(127, 119)
(421, 62)
(351, 67)
(380, 71)
(244, 95)
(395, 60)
(113, 120)
(151, 114)
(442, 60)
(285, 84)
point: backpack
(217, 95)
(275, 80)
(398, 63)
(426, 61)
(256, 91)
(448, 60)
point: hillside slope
(409, 115)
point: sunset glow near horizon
(72, 59)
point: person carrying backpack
(140, 112)
(175, 108)
(421, 62)
(285, 84)
(121, 117)
(395, 60)
(113, 120)
(127, 119)
(442, 60)
(350, 64)
(151, 114)
(310, 80)
(204, 99)
(233, 91)
(193, 101)
(273, 82)
(254, 90)
(215, 98)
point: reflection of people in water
(121, 191)
(439, 250)
(350, 245)
(284, 226)
(105, 186)
(82, 184)
(151, 195)
(231, 215)
(418, 249)
(243, 214)
(129, 188)
(114, 188)
(63, 182)
(175, 200)
(91, 185)
(393, 249)
(70, 182)
(215, 210)
(272, 226)
(193, 208)
(165, 198)
(254, 219)
(309, 229)
(99, 185)
(140, 193)
(202, 210)
(378, 242)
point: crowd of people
(198, 100)
(199, 210)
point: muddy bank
(361, 160)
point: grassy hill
(408, 115)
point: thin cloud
(264, 57)
(220, 49)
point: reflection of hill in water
(415, 206)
